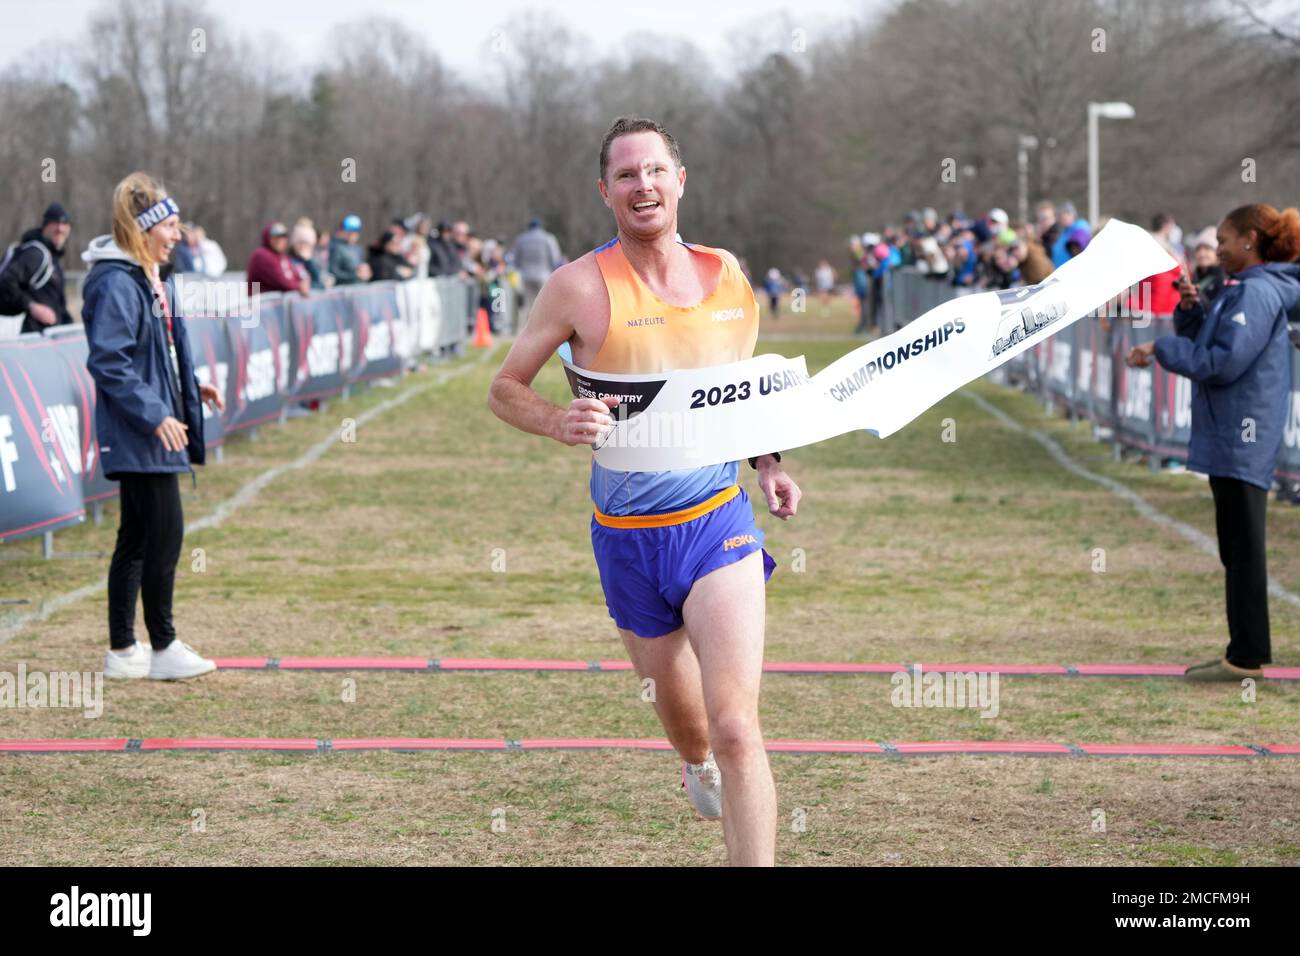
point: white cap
(998, 214)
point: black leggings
(1239, 510)
(148, 547)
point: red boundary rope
(771, 667)
(866, 747)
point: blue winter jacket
(1060, 254)
(1238, 357)
(131, 366)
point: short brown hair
(635, 124)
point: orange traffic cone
(482, 331)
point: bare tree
(807, 135)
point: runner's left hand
(782, 493)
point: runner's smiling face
(642, 185)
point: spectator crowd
(299, 259)
(991, 252)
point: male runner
(680, 557)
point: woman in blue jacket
(148, 421)
(1238, 356)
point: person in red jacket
(270, 267)
(1159, 293)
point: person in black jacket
(1209, 275)
(386, 261)
(443, 260)
(148, 421)
(32, 282)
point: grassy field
(914, 549)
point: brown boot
(1221, 670)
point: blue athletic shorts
(647, 572)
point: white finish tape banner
(690, 418)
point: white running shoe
(179, 661)
(703, 783)
(134, 664)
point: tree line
(809, 136)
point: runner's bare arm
(562, 305)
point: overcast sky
(456, 30)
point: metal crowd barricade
(1082, 370)
(279, 351)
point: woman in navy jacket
(1238, 356)
(148, 421)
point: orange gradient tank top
(647, 334)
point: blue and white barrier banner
(73, 350)
(257, 385)
(261, 353)
(47, 447)
(1094, 370)
(210, 347)
(690, 418)
(1153, 406)
(1288, 459)
(379, 333)
(1134, 390)
(322, 335)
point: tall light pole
(1095, 112)
(1022, 165)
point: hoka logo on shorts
(738, 541)
(728, 315)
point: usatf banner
(379, 333)
(260, 365)
(284, 349)
(691, 418)
(322, 333)
(210, 347)
(47, 448)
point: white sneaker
(703, 783)
(134, 664)
(179, 661)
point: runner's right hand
(587, 421)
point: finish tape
(692, 418)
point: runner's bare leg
(678, 693)
(724, 616)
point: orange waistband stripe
(671, 517)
